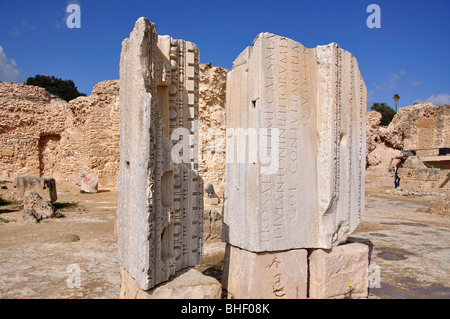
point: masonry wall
(212, 96)
(101, 132)
(42, 135)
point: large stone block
(160, 206)
(270, 275)
(45, 187)
(295, 146)
(189, 284)
(340, 272)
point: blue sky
(409, 55)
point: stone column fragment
(160, 203)
(295, 146)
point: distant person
(396, 178)
(210, 190)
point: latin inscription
(284, 101)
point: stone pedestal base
(269, 275)
(187, 284)
(341, 272)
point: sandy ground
(42, 260)
(409, 247)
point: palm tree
(396, 98)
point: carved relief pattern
(161, 232)
(338, 120)
(153, 244)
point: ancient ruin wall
(212, 94)
(42, 135)
(101, 131)
(33, 133)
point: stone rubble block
(36, 208)
(333, 273)
(189, 284)
(269, 275)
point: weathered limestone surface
(160, 207)
(274, 275)
(189, 284)
(314, 102)
(45, 187)
(334, 272)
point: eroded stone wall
(212, 98)
(422, 127)
(42, 135)
(34, 136)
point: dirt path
(410, 247)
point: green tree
(387, 112)
(65, 89)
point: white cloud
(394, 77)
(415, 84)
(14, 32)
(8, 69)
(439, 99)
(25, 24)
(389, 85)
